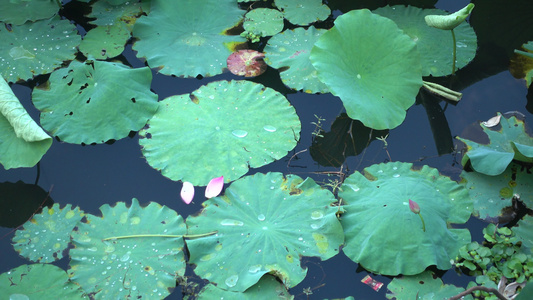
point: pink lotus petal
(187, 192)
(214, 187)
(413, 206)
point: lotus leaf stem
(187, 236)
(423, 223)
(442, 91)
(454, 52)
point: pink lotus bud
(187, 192)
(214, 187)
(413, 206)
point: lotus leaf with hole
(510, 141)
(268, 287)
(105, 42)
(289, 53)
(434, 45)
(23, 141)
(265, 223)
(303, 12)
(493, 194)
(425, 285)
(129, 251)
(188, 37)
(36, 48)
(385, 236)
(95, 101)
(117, 15)
(221, 129)
(38, 281)
(18, 12)
(44, 238)
(367, 61)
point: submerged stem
(442, 91)
(454, 52)
(187, 236)
(423, 223)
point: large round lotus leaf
(38, 281)
(188, 37)
(95, 101)
(509, 142)
(385, 236)
(105, 42)
(17, 12)
(303, 12)
(524, 231)
(263, 21)
(265, 223)
(374, 67)
(36, 48)
(422, 286)
(289, 52)
(23, 141)
(434, 45)
(491, 194)
(221, 129)
(45, 237)
(128, 266)
(268, 287)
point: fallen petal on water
(187, 192)
(214, 187)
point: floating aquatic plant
(105, 42)
(303, 12)
(268, 287)
(384, 235)
(422, 286)
(18, 12)
(247, 63)
(264, 224)
(262, 22)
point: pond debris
(442, 91)
(374, 284)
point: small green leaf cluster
(251, 36)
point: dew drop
(240, 133)
(269, 128)
(396, 175)
(232, 280)
(316, 215)
(358, 76)
(261, 217)
(254, 269)
(315, 226)
(230, 222)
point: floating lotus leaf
(289, 52)
(188, 37)
(385, 236)
(425, 285)
(524, 231)
(95, 101)
(265, 223)
(17, 12)
(378, 79)
(263, 22)
(268, 287)
(45, 237)
(434, 45)
(247, 63)
(23, 141)
(128, 266)
(221, 129)
(117, 15)
(492, 194)
(521, 65)
(105, 42)
(509, 142)
(36, 48)
(38, 281)
(303, 12)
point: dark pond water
(90, 176)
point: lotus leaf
(95, 101)
(526, 293)
(105, 42)
(113, 260)
(451, 21)
(434, 45)
(117, 15)
(17, 12)
(38, 281)
(374, 67)
(289, 52)
(263, 22)
(265, 223)
(303, 12)
(509, 142)
(524, 231)
(266, 288)
(23, 141)
(221, 129)
(385, 236)
(46, 235)
(247, 63)
(422, 286)
(188, 37)
(492, 194)
(36, 48)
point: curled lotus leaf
(449, 22)
(508, 141)
(188, 37)
(378, 79)
(48, 232)
(271, 221)
(221, 129)
(128, 252)
(384, 235)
